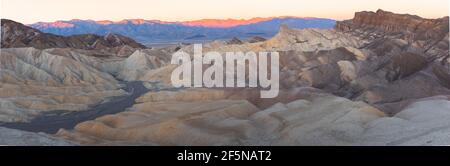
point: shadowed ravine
(53, 121)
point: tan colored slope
(421, 123)
(319, 48)
(192, 120)
(313, 119)
(33, 81)
(138, 64)
(311, 39)
(221, 122)
(289, 39)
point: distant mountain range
(155, 31)
(15, 35)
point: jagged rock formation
(429, 36)
(414, 27)
(408, 46)
(18, 35)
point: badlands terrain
(378, 79)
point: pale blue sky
(30, 11)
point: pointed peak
(380, 11)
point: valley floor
(51, 122)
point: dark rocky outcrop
(414, 55)
(404, 65)
(443, 74)
(256, 39)
(234, 40)
(15, 34)
(429, 36)
(412, 26)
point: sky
(31, 11)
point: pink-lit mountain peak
(216, 23)
(132, 21)
(56, 24)
(224, 23)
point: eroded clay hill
(34, 81)
(369, 81)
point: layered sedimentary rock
(287, 39)
(34, 81)
(141, 62)
(311, 39)
(413, 53)
(412, 26)
(429, 36)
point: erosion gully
(51, 122)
